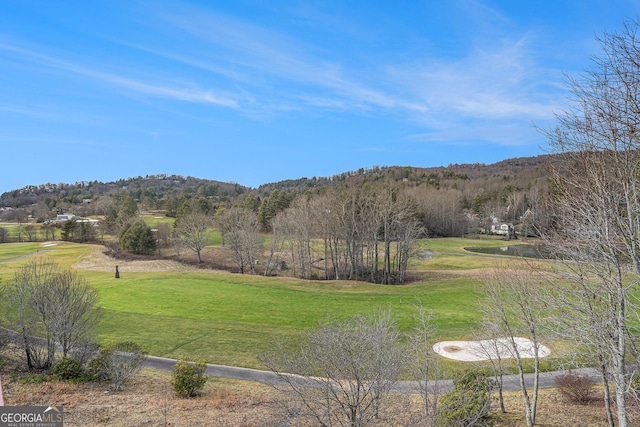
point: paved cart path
(511, 382)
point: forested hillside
(152, 190)
(449, 200)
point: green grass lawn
(231, 318)
(457, 245)
(63, 253)
(449, 254)
(154, 220)
(9, 251)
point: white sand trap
(474, 351)
(47, 244)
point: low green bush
(67, 369)
(468, 403)
(188, 377)
(94, 371)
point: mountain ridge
(160, 186)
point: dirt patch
(98, 261)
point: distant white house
(502, 229)
(66, 217)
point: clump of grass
(34, 379)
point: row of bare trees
(352, 232)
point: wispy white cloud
(494, 133)
(497, 80)
(178, 93)
(29, 111)
(501, 83)
(233, 63)
(260, 56)
(494, 94)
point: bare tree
(240, 230)
(598, 193)
(163, 235)
(102, 205)
(74, 312)
(277, 247)
(54, 308)
(492, 347)
(49, 231)
(31, 232)
(341, 373)
(514, 309)
(24, 319)
(193, 229)
(584, 313)
(424, 364)
(296, 226)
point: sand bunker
(474, 351)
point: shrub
(34, 379)
(575, 388)
(84, 351)
(116, 363)
(94, 370)
(67, 369)
(188, 377)
(467, 404)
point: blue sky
(256, 92)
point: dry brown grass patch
(149, 401)
(98, 261)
